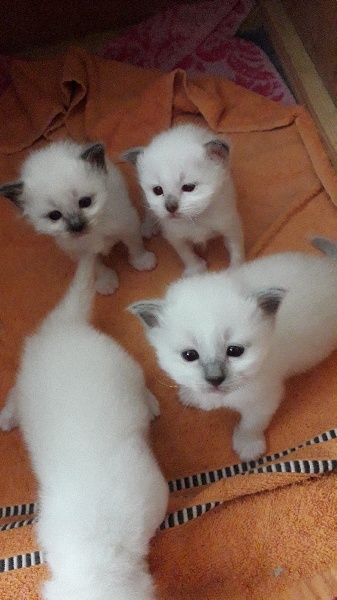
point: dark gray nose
(215, 373)
(171, 204)
(76, 224)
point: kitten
(76, 195)
(84, 410)
(230, 339)
(185, 175)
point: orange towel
(269, 531)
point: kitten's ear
(131, 156)
(147, 311)
(95, 155)
(269, 300)
(13, 191)
(217, 149)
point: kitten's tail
(77, 302)
(326, 246)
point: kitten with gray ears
(84, 410)
(76, 195)
(185, 176)
(230, 339)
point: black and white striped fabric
(265, 464)
(31, 559)
(258, 466)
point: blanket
(233, 531)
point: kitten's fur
(281, 310)
(84, 410)
(185, 176)
(75, 194)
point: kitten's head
(181, 170)
(210, 333)
(62, 189)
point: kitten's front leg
(150, 224)
(139, 258)
(8, 415)
(106, 279)
(194, 264)
(234, 243)
(248, 439)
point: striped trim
(18, 510)
(180, 517)
(311, 467)
(32, 559)
(193, 481)
(186, 514)
(17, 524)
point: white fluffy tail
(77, 302)
(326, 246)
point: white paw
(196, 268)
(106, 282)
(144, 261)
(248, 446)
(153, 404)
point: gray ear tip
(147, 312)
(131, 156)
(12, 191)
(269, 300)
(218, 149)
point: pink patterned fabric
(199, 38)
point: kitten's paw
(106, 282)
(248, 446)
(146, 261)
(196, 268)
(153, 404)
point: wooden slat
(306, 84)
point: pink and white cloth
(199, 38)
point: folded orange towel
(261, 533)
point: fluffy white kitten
(84, 410)
(75, 194)
(230, 339)
(185, 175)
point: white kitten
(75, 194)
(231, 338)
(184, 173)
(84, 410)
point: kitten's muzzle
(215, 373)
(76, 224)
(171, 203)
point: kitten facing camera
(185, 176)
(84, 410)
(230, 339)
(76, 195)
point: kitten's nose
(171, 204)
(76, 223)
(215, 373)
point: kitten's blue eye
(190, 355)
(84, 202)
(158, 190)
(235, 351)
(55, 215)
(188, 187)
